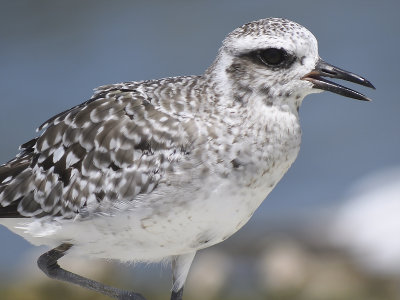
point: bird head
(279, 59)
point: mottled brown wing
(113, 147)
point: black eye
(272, 56)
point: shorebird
(156, 170)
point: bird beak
(323, 69)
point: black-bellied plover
(158, 169)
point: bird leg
(177, 295)
(47, 262)
(180, 269)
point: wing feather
(110, 148)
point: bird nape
(142, 171)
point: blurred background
(329, 230)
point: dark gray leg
(177, 295)
(47, 262)
(180, 269)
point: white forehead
(271, 32)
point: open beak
(323, 69)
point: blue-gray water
(52, 53)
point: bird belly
(194, 221)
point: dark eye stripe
(271, 57)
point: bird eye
(272, 56)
